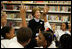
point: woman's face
(37, 14)
(41, 40)
(63, 26)
(10, 34)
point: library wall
(59, 11)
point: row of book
(15, 7)
(58, 18)
(60, 8)
(19, 24)
(17, 15)
(51, 8)
(67, 2)
(13, 23)
(50, 17)
(63, 2)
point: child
(35, 23)
(65, 41)
(45, 39)
(24, 35)
(7, 32)
(64, 30)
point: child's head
(64, 26)
(24, 35)
(36, 12)
(3, 21)
(65, 41)
(45, 38)
(7, 32)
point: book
(9, 7)
(58, 18)
(64, 18)
(38, 1)
(10, 15)
(27, 1)
(17, 15)
(65, 9)
(60, 8)
(61, 2)
(46, 1)
(16, 1)
(14, 24)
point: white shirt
(47, 25)
(1, 27)
(68, 32)
(15, 45)
(37, 20)
(53, 45)
(5, 43)
(38, 47)
(59, 33)
(12, 43)
(14, 39)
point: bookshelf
(29, 11)
(57, 9)
(40, 4)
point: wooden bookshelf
(39, 4)
(41, 11)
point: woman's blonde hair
(34, 10)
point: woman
(36, 23)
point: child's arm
(23, 15)
(46, 23)
(45, 11)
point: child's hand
(45, 9)
(23, 11)
(23, 15)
